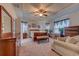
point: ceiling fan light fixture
(40, 14)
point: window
(24, 27)
(59, 25)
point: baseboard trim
(56, 52)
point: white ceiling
(25, 10)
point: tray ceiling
(27, 9)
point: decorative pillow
(73, 40)
(76, 37)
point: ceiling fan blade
(35, 12)
(45, 14)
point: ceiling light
(40, 14)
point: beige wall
(18, 28)
(71, 12)
(9, 7)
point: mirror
(6, 24)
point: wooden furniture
(5, 23)
(41, 36)
(24, 35)
(7, 42)
(7, 46)
(32, 30)
(72, 31)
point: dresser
(7, 41)
(72, 31)
(7, 46)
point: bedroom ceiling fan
(40, 12)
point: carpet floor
(31, 48)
